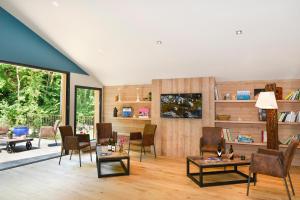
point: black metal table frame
(201, 173)
(10, 145)
(113, 159)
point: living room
(154, 100)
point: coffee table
(11, 143)
(202, 163)
(105, 157)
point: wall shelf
(132, 118)
(254, 122)
(256, 144)
(253, 101)
(132, 102)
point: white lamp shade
(266, 100)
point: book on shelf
(294, 95)
(243, 95)
(289, 116)
(226, 134)
(264, 136)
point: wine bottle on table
(113, 147)
(109, 148)
(231, 153)
(219, 150)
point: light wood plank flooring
(163, 178)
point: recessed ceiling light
(158, 42)
(238, 32)
(55, 3)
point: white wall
(80, 80)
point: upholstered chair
(104, 133)
(49, 132)
(211, 137)
(73, 142)
(273, 163)
(143, 139)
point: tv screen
(188, 105)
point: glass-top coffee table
(104, 156)
(212, 177)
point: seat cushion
(83, 144)
(135, 142)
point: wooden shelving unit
(132, 102)
(244, 114)
(133, 118)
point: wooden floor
(163, 178)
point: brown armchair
(73, 142)
(211, 137)
(273, 163)
(104, 133)
(145, 139)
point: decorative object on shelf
(257, 91)
(116, 98)
(127, 111)
(245, 139)
(230, 154)
(227, 96)
(216, 94)
(243, 157)
(137, 94)
(267, 100)
(144, 112)
(223, 117)
(226, 134)
(243, 95)
(233, 97)
(278, 93)
(119, 94)
(262, 114)
(115, 112)
(219, 150)
(150, 96)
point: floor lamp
(267, 101)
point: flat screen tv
(187, 105)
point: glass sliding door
(87, 110)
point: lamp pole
(272, 122)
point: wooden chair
(211, 137)
(73, 142)
(145, 139)
(104, 133)
(273, 163)
(49, 131)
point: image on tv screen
(187, 105)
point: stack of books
(289, 116)
(295, 95)
(227, 135)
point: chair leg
(60, 155)
(144, 150)
(287, 188)
(254, 178)
(128, 147)
(154, 150)
(79, 158)
(290, 180)
(248, 185)
(55, 140)
(141, 153)
(91, 154)
(71, 154)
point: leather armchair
(211, 137)
(73, 142)
(273, 163)
(145, 139)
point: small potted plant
(122, 141)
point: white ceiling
(115, 40)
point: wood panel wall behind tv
(180, 137)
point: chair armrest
(135, 136)
(269, 152)
(267, 164)
(71, 143)
(83, 138)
